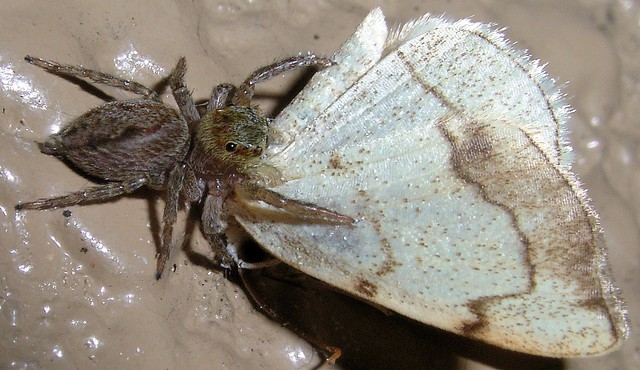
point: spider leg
(304, 210)
(92, 194)
(221, 96)
(182, 95)
(170, 214)
(257, 285)
(95, 76)
(214, 227)
(193, 188)
(245, 91)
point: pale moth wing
(447, 147)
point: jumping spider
(210, 160)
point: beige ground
(61, 307)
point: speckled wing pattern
(446, 146)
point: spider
(209, 159)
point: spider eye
(231, 147)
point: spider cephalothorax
(234, 135)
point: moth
(433, 169)
(448, 148)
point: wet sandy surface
(78, 291)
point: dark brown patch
(390, 262)
(477, 149)
(335, 162)
(595, 304)
(387, 267)
(472, 328)
(366, 288)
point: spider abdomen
(122, 140)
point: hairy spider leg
(95, 76)
(244, 92)
(221, 96)
(170, 214)
(182, 95)
(88, 195)
(304, 210)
